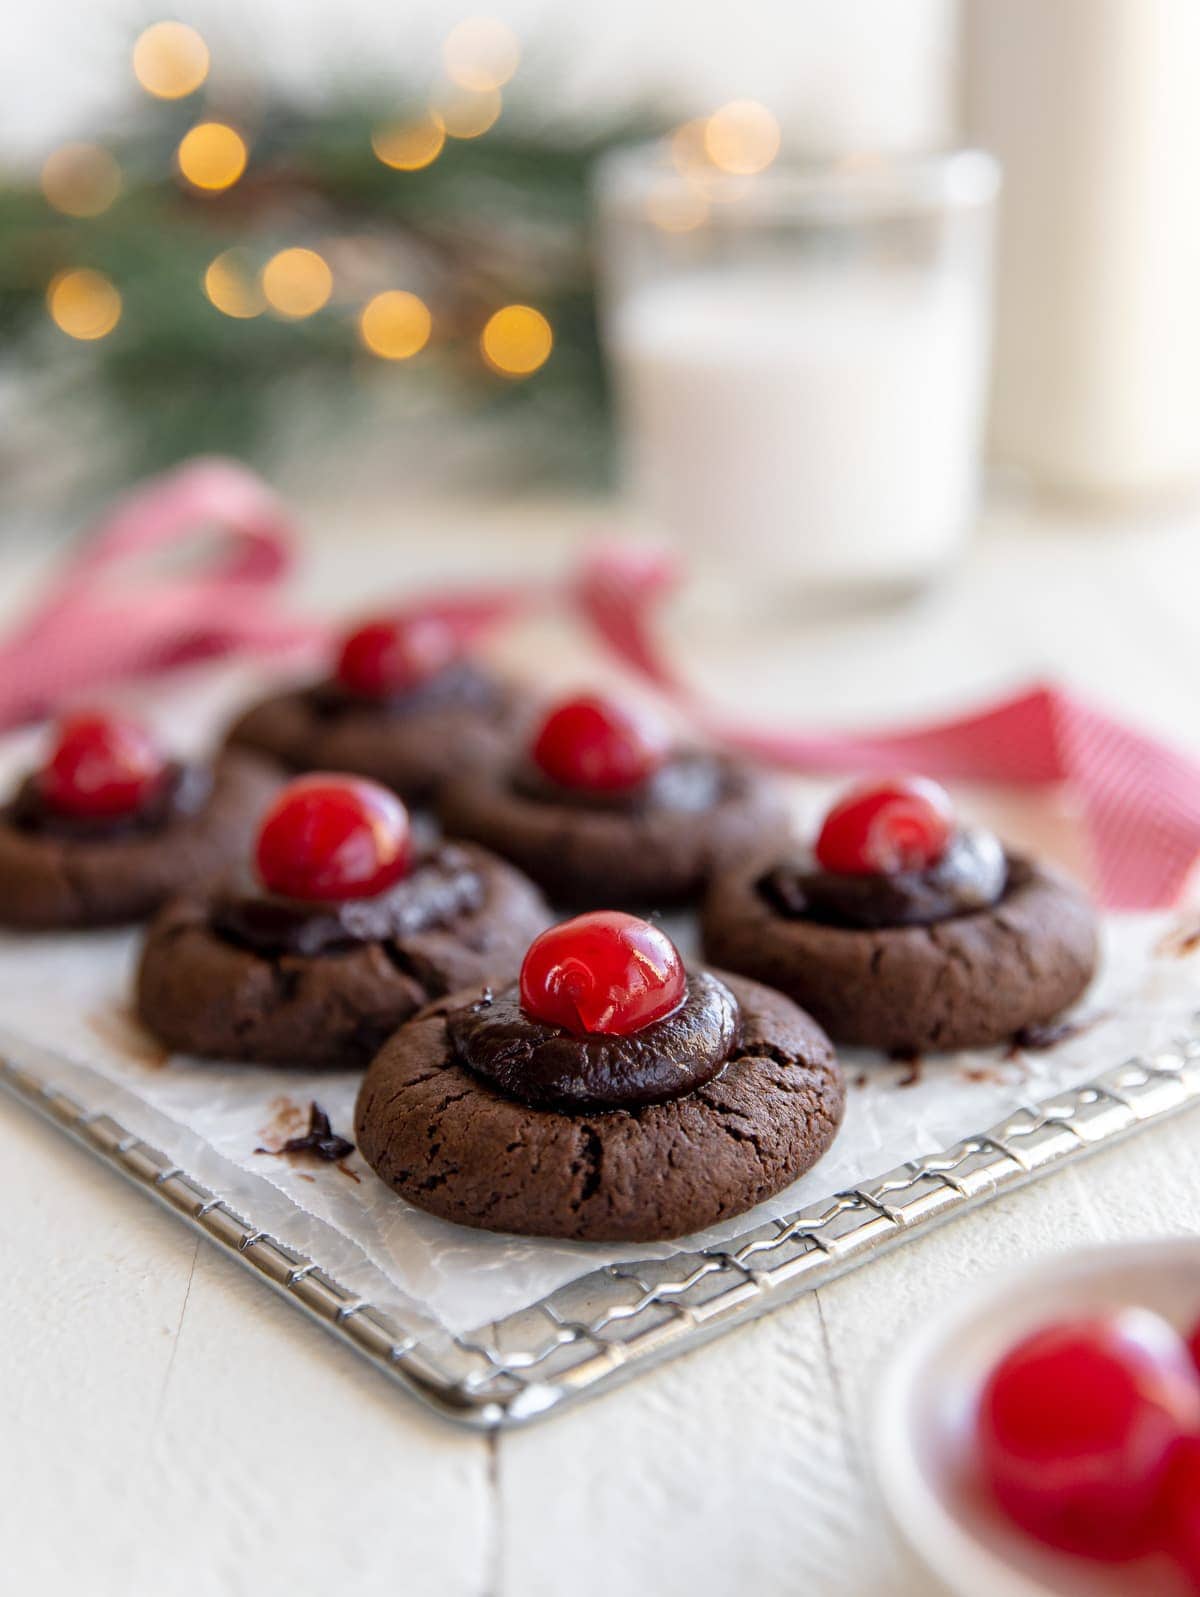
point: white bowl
(923, 1438)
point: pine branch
(494, 220)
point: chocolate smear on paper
(320, 1139)
(118, 1027)
(1178, 941)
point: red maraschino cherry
(1077, 1427)
(602, 972)
(391, 654)
(331, 837)
(100, 766)
(597, 746)
(1179, 1510)
(903, 824)
(1194, 1344)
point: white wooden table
(167, 1425)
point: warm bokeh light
(297, 282)
(516, 341)
(212, 156)
(83, 303)
(233, 288)
(464, 114)
(687, 145)
(81, 179)
(481, 53)
(409, 146)
(861, 161)
(678, 210)
(395, 325)
(170, 60)
(742, 137)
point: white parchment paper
(63, 1006)
(64, 1010)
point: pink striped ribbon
(110, 615)
(117, 608)
(1139, 799)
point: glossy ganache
(183, 791)
(459, 685)
(690, 782)
(439, 889)
(605, 1016)
(973, 874)
(549, 1067)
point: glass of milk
(801, 361)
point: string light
(742, 138)
(212, 156)
(81, 179)
(687, 145)
(409, 146)
(481, 53)
(516, 340)
(296, 283)
(678, 211)
(464, 114)
(395, 324)
(232, 289)
(170, 60)
(83, 304)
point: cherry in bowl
(1078, 1425)
(1194, 1344)
(330, 837)
(604, 972)
(595, 745)
(1178, 1525)
(928, 1457)
(879, 828)
(101, 766)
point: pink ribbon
(1139, 799)
(112, 616)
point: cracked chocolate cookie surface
(56, 877)
(655, 846)
(461, 720)
(227, 994)
(450, 1142)
(968, 980)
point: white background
(842, 73)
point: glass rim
(853, 188)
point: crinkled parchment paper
(64, 1011)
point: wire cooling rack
(606, 1327)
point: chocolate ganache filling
(973, 874)
(439, 889)
(689, 781)
(548, 1067)
(459, 685)
(184, 791)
